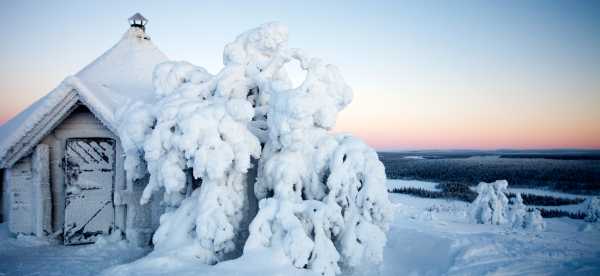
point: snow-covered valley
(426, 237)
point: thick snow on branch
(322, 196)
(193, 129)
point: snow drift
(323, 200)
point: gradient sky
(425, 74)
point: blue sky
(426, 74)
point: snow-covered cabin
(61, 160)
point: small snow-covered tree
(534, 221)
(517, 211)
(521, 218)
(322, 196)
(491, 204)
(592, 209)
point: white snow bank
(34, 256)
(260, 263)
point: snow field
(426, 237)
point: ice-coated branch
(322, 196)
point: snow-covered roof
(122, 75)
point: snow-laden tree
(199, 128)
(491, 204)
(522, 218)
(517, 212)
(534, 221)
(322, 196)
(592, 209)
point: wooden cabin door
(89, 175)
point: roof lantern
(138, 21)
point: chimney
(138, 21)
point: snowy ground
(427, 237)
(31, 256)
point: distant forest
(573, 171)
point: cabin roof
(119, 77)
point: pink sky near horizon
(421, 131)
(389, 124)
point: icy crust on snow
(323, 200)
(118, 78)
(493, 207)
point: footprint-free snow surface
(427, 237)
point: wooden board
(89, 178)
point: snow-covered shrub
(517, 212)
(322, 196)
(491, 204)
(534, 221)
(592, 210)
(521, 218)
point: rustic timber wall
(79, 124)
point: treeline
(543, 200)
(418, 192)
(573, 176)
(458, 192)
(552, 213)
(463, 193)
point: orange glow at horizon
(388, 122)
